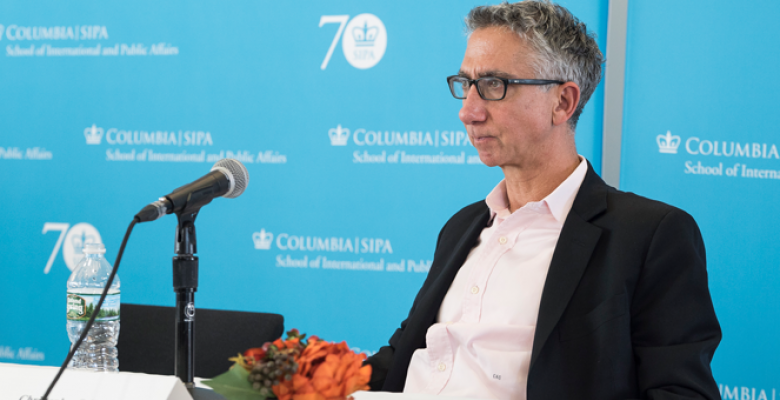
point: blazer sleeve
(674, 327)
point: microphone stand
(185, 284)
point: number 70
(331, 19)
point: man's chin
(487, 160)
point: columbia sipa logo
(694, 145)
(93, 134)
(338, 136)
(262, 239)
(114, 136)
(668, 143)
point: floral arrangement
(294, 369)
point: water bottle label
(81, 306)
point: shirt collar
(558, 202)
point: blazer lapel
(571, 256)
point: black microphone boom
(228, 178)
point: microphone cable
(95, 313)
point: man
(557, 286)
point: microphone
(227, 178)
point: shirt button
(474, 290)
(502, 240)
(441, 367)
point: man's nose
(473, 109)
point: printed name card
(25, 382)
(365, 395)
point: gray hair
(564, 48)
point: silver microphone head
(236, 174)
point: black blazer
(625, 312)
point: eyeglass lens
(490, 88)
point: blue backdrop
(700, 132)
(341, 113)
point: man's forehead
(495, 51)
(517, 67)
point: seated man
(556, 286)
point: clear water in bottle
(98, 350)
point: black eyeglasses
(490, 87)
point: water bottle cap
(94, 248)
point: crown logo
(365, 36)
(93, 134)
(668, 143)
(262, 239)
(338, 136)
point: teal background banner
(700, 132)
(341, 114)
(339, 110)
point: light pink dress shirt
(480, 346)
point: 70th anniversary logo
(363, 39)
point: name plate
(27, 382)
(364, 395)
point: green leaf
(234, 385)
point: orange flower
(326, 371)
(252, 356)
(286, 344)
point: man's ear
(567, 99)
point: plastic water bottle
(98, 350)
